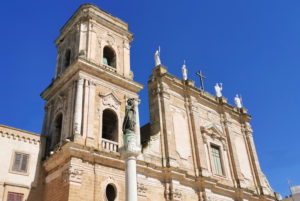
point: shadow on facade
(38, 184)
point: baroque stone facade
(195, 147)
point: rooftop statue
(238, 101)
(184, 71)
(218, 89)
(157, 57)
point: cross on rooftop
(202, 77)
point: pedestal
(129, 153)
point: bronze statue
(129, 120)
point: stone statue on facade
(157, 57)
(238, 101)
(218, 89)
(184, 71)
(130, 118)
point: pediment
(111, 100)
(212, 130)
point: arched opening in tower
(67, 59)
(109, 57)
(110, 125)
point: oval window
(111, 193)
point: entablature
(89, 11)
(81, 66)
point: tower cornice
(97, 72)
(89, 11)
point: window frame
(115, 191)
(13, 159)
(14, 193)
(213, 165)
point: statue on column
(130, 118)
(238, 101)
(218, 89)
(184, 71)
(157, 57)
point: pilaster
(198, 142)
(237, 175)
(90, 140)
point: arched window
(67, 58)
(110, 125)
(57, 130)
(110, 192)
(109, 57)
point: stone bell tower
(85, 103)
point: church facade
(195, 147)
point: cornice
(96, 71)
(189, 86)
(19, 135)
(93, 157)
(89, 11)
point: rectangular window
(20, 162)
(14, 196)
(216, 160)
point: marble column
(78, 108)
(129, 153)
(137, 121)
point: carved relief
(111, 101)
(110, 39)
(72, 174)
(141, 189)
(176, 195)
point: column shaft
(137, 123)
(78, 108)
(131, 181)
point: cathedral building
(196, 147)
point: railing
(109, 68)
(110, 145)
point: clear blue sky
(252, 47)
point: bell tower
(86, 100)
(85, 107)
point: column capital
(130, 148)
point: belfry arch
(110, 125)
(109, 57)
